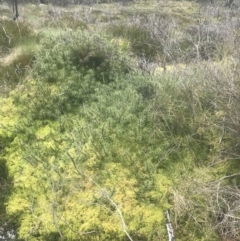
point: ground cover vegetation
(113, 112)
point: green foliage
(51, 159)
(7, 223)
(3, 183)
(78, 63)
(79, 52)
(127, 139)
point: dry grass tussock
(11, 57)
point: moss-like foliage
(127, 145)
(69, 167)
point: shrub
(79, 53)
(69, 68)
(111, 133)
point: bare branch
(124, 226)
(9, 39)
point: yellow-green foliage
(8, 117)
(54, 184)
(127, 145)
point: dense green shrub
(79, 53)
(113, 130)
(165, 127)
(68, 68)
(158, 126)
